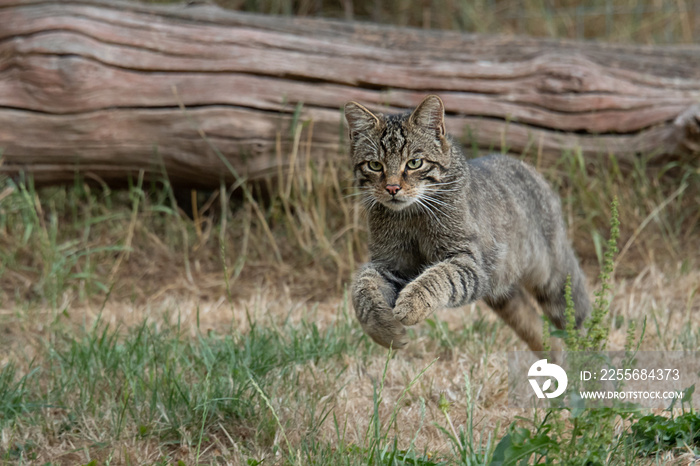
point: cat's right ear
(359, 119)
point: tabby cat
(445, 231)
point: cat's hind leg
(517, 310)
(373, 297)
(550, 296)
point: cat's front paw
(413, 305)
(384, 329)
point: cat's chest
(406, 249)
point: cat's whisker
(436, 208)
(353, 188)
(432, 189)
(439, 190)
(449, 186)
(430, 212)
(443, 183)
(434, 200)
(369, 202)
(360, 193)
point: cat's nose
(393, 189)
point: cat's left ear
(430, 114)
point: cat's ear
(430, 115)
(359, 119)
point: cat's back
(506, 169)
(514, 191)
(508, 175)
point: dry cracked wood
(110, 88)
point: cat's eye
(374, 165)
(414, 163)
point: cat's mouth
(396, 203)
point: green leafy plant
(653, 433)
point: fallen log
(108, 88)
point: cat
(445, 231)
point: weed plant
(581, 435)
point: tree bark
(108, 89)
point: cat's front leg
(451, 283)
(373, 298)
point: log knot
(557, 83)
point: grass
(108, 388)
(135, 334)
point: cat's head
(399, 160)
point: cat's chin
(398, 204)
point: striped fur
(446, 231)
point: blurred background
(622, 21)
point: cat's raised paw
(385, 330)
(412, 306)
